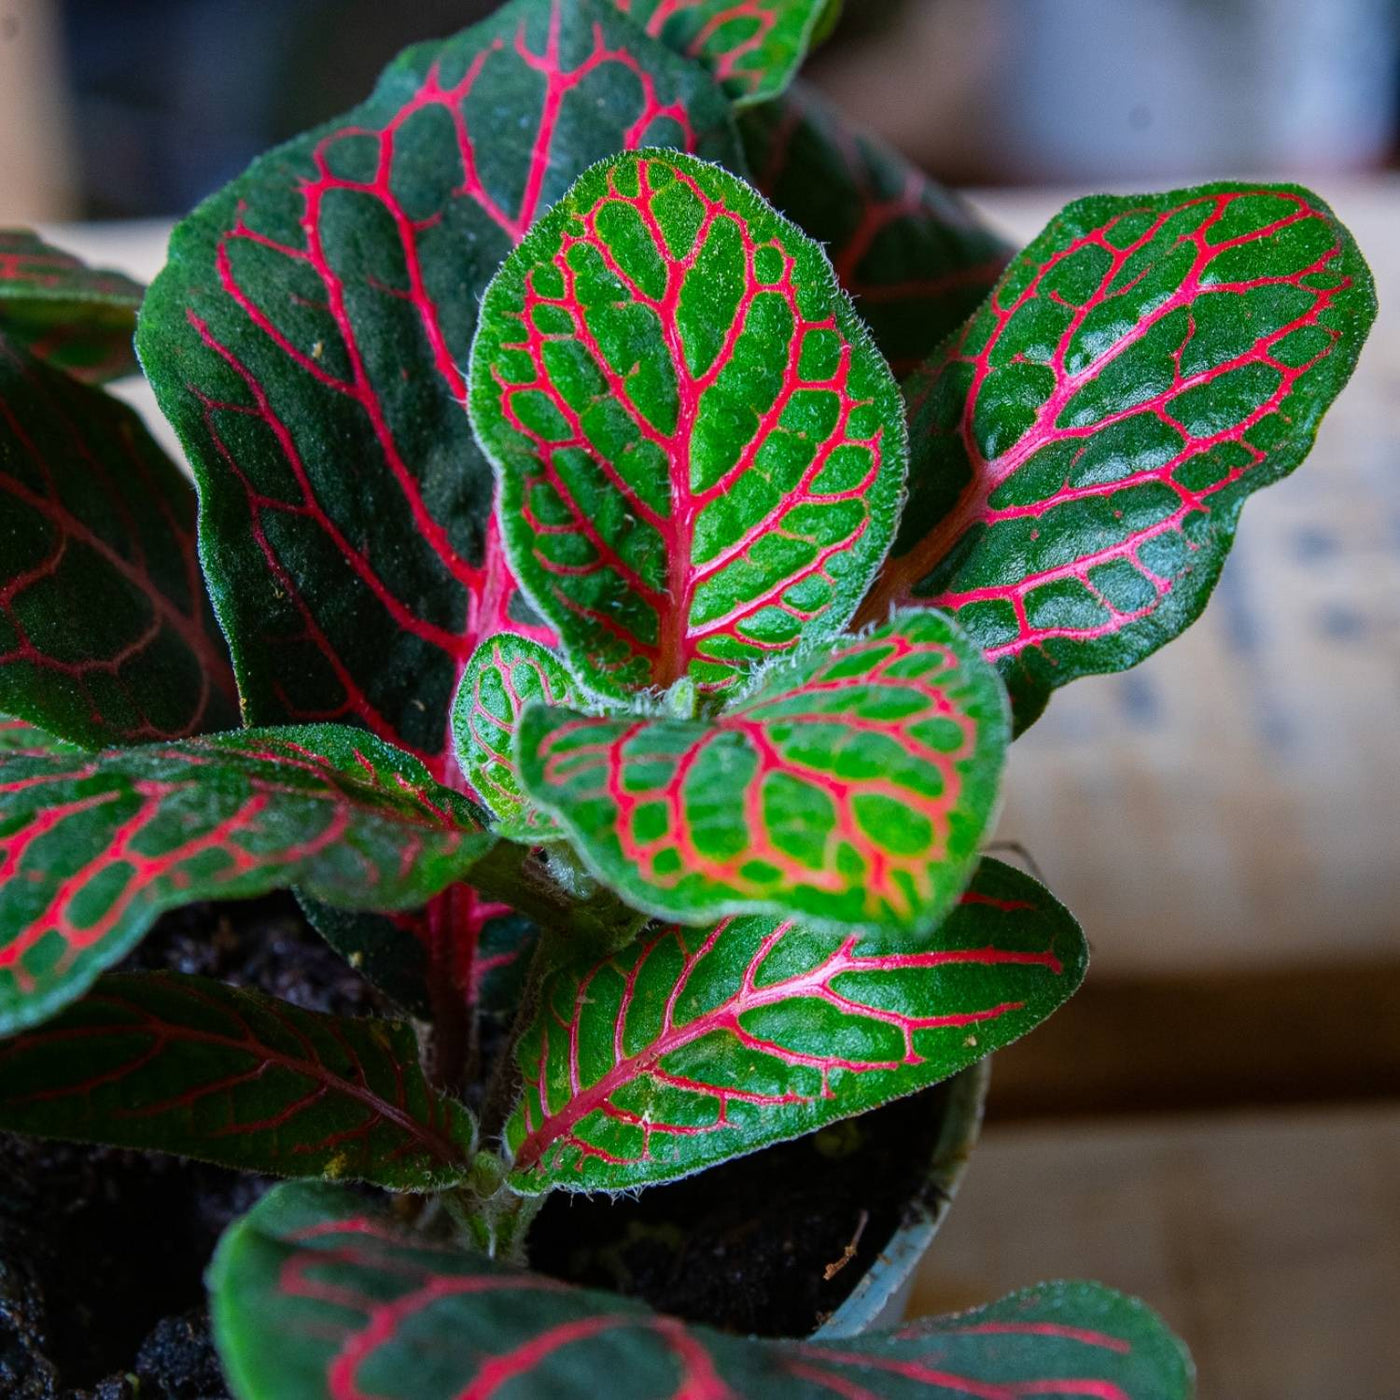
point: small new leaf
(506, 673)
(700, 452)
(318, 1295)
(916, 259)
(753, 47)
(106, 634)
(94, 846)
(1082, 448)
(695, 1046)
(184, 1064)
(74, 317)
(853, 788)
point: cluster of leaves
(616, 638)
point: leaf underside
(916, 259)
(94, 846)
(1082, 449)
(853, 787)
(753, 47)
(309, 337)
(71, 316)
(700, 452)
(106, 634)
(316, 1295)
(183, 1064)
(695, 1046)
(506, 673)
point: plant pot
(880, 1298)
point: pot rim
(883, 1285)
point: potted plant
(618, 658)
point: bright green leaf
(700, 452)
(853, 788)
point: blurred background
(1214, 1122)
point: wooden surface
(1222, 819)
(1271, 1243)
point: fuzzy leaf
(21, 740)
(64, 312)
(309, 339)
(853, 787)
(916, 259)
(183, 1064)
(94, 847)
(106, 635)
(753, 47)
(1082, 449)
(505, 674)
(315, 1293)
(695, 1046)
(700, 451)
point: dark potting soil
(759, 1245)
(102, 1252)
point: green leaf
(106, 635)
(21, 740)
(695, 1046)
(309, 338)
(64, 312)
(184, 1064)
(754, 47)
(1082, 449)
(853, 787)
(94, 847)
(315, 1294)
(700, 452)
(916, 259)
(505, 674)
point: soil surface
(759, 1245)
(102, 1252)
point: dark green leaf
(316, 1296)
(695, 1046)
(309, 341)
(106, 635)
(94, 847)
(916, 259)
(184, 1064)
(700, 451)
(1082, 449)
(64, 312)
(853, 788)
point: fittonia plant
(685, 754)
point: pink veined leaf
(754, 47)
(106, 633)
(700, 452)
(94, 846)
(74, 317)
(914, 257)
(318, 1295)
(20, 739)
(1081, 450)
(698, 1045)
(506, 673)
(851, 787)
(166, 1063)
(309, 339)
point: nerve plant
(676, 765)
